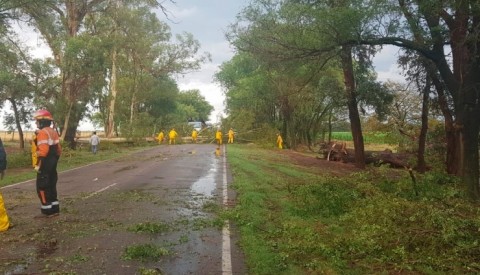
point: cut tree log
(337, 151)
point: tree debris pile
(338, 151)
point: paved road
(104, 204)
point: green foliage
(149, 227)
(368, 137)
(19, 159)
(294, 221)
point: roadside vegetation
(295, 220)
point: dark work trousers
(47, 184)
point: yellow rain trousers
(4, 224)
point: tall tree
(61, 24)
(201, 108)
(453, 23)
(16, 84)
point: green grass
(294, 221)
(149, 227)
(144, 252)
(373, 137)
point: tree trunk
(17, 122)
(421, 165)
(452, 137)
(471, 155)
(353, 114)
(75, 115)
(65, 123)
(113, 96)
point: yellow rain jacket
(4, 223)
(279, 141)
(218, 137)
(34, 150)
(172, 135)
(160, 137)
(230, 136)
(194, 135)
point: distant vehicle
(197, 125)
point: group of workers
(172, 136)
(46, 151)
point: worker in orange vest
(48, 153)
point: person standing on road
(194, 136)
(218, 136)
(160, 137)
(279, 141)
(48, 153)
(230, 135)
(94, 141)
(172, 136)
(4, 222)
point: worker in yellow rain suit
(4, 222)
(279, 141)
(34, 149)
(172, 135)
(194, 136)
(160, 137)
(218, 137)
(230, 135)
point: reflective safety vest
(48, 138)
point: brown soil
(309, 159)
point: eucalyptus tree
(61, 24)
(142, 49)
(16, 84)
(200, 107)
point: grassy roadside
(293, 221)
(19, 167)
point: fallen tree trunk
(337, 151)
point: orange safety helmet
(42, 114)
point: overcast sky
(208, 21)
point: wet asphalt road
(167, 184)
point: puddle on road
(206, 185)
(201, 191)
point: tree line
(112, 61)
(301, 65)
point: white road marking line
(100, 191)
(226, 248)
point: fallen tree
(338, 151)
